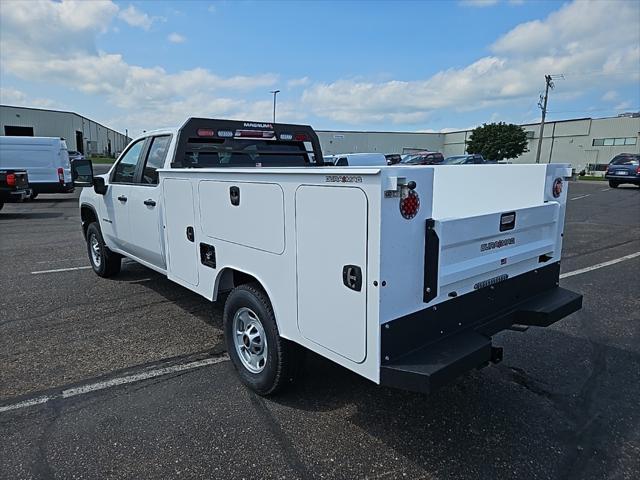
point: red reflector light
(301, 137)
(255, 133)
(206, 132)
(638, 170)
(410, 205)
(11, 179)
(60, 175)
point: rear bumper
(15, 196)
(428, 349)
(52, 187)
(624, 178)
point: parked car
(73, 155)
(14, 186)
(624, 168)
(45, 159)
(470, 159)
(360, 160)
(393, 158)
(423, 158)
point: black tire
(613, 184)
(1, 205)
(106, 263)
(33, 196)
(282, 358)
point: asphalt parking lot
(563, 403)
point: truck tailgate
(473, 251)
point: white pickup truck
(400, 274)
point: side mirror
(99, 185)
(82, 173)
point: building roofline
(380, 131)
(65, 111)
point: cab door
(114, 221)
(145, 207)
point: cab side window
(125, 170)
(155, 159)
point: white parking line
(605, 189)
(600, 265)
(60, 270)
(114, 382)
(581, 196)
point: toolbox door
(182, 253)
(331, 243)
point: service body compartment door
(182, 249)
(331, 242)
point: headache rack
(212, 143)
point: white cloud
(610, 96)
(59, 51)
(298, 82)
(212, 8)
(136, 18)
(575, 40)
(626, 105)
(479, 3)
(176, 38)
(13, 96)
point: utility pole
(275, 92)
(543, 105)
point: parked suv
(624, 168)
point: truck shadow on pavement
(573, 416)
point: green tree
(498, 141)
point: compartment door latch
(352, 277)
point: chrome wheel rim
(94, 248)
(250, 340)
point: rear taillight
(61, 175)
(638, 170)
(11, 179)
(409, 205)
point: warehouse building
(80, 133)
(585, 143)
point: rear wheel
(613, 184)
(264, 361)
(103, 261)
(33, 196)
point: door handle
(352, 277)
(234, 195)
(149, 202)
(190, 234)
(122, 198)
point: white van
(45, 159)
(360, 160)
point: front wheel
(613, 184)
(103, 261)
(264, 361)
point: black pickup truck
(14, 186)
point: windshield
(457, 160)
(626, 160)
(412, 159)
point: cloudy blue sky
(422, 66)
